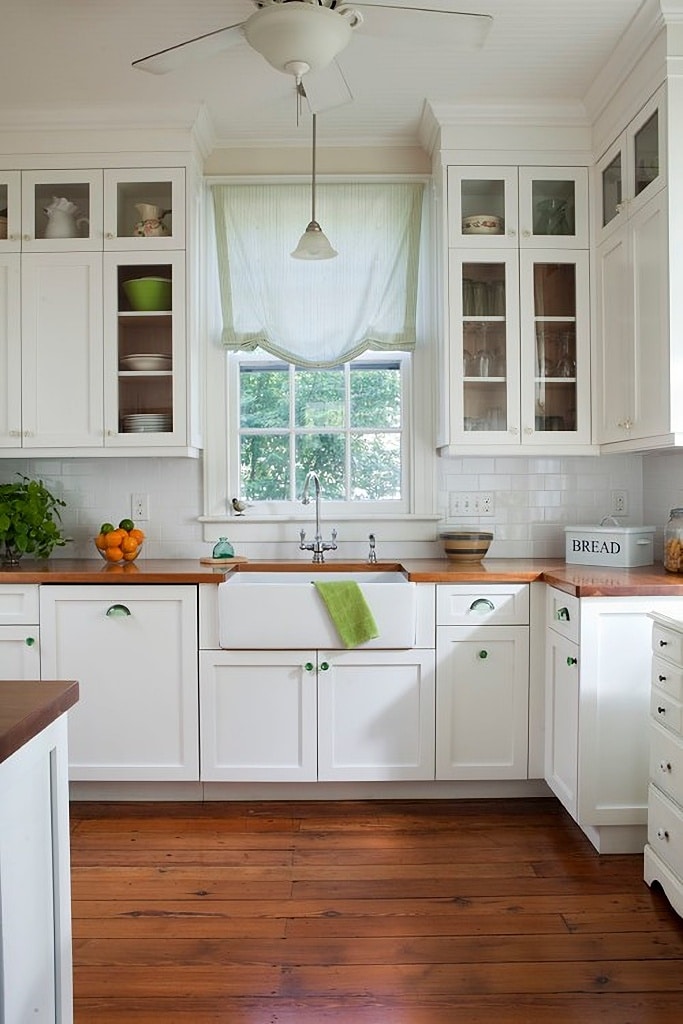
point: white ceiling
(69, 61)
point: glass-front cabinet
(538, 207)
(519, 335)
(144, 366)
(10, 211)
(61, 211)
(144, 208)
(633, 168)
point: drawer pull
(562, 614)
(482, 604)
(324, 666)
(665, 766)
(117, 611)
(662, 679)
(572, 661)
(662, 834)
(29, 641)
(663, 643)
(661, 710)
(483, 655)
(308, 667)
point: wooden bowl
(466, 545)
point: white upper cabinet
(10, 211)
(553, 207)
(61, 211)
(632, 169)
(482, 207)
(144, 208)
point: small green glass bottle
(223, 548)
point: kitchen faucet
(318, 546)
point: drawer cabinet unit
(482, 681)
(19, 632)
(664, 850)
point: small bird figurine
(239, 506)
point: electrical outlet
(471, 503)
(619, 503)
(139, 507)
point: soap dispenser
(223, 548)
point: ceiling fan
(303, 38)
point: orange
(114, 554)
(129, 544)
(114, 538)
(100, 541)
(129, 555)
(138, 534)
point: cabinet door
(484, 332)
(10, 351)
(555, 386)
(62, 350)
(144, 208)
(553, 207)
(614, 383)
(562, 719)
(19, 652)
(375, 715)
(133, 650)
(10, 211)
(61, 211)
(482, 701)
(482, 207)
(144, 350)
(258, 716)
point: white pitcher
(62, 219)
(151, 223)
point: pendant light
(313, 244)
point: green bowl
(148, 294)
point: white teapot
(151, 223)
(62, 219)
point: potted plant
(29, 520)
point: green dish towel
(349, 611)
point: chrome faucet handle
(372, 554)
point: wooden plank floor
(368, 912)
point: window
(347, 423)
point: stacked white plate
(140, 422)
(145, 361)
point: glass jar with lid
(673, 541)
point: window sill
(285, 528)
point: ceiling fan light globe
(298, 32)
(314, 245)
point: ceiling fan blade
(200, 48)
(326, 88)
(425, 25)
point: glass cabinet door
(482, 206)
(10, 211)
(555, 340)
(553, 204)
(646, 154)
(144, 209)
(144, 345)
(61, 211)
(483, 303)
(612, 187)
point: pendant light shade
(314, 244)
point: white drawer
(665, 710)
(19, 604)
(496, 604)
(562, 613)
(665, 829)
(668, 677)
(666, 762)
(667, 643)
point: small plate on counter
(145, 361)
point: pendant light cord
(313, 172)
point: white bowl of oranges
(120, 544)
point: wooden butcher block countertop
(27, 707)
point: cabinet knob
(482, 604)
(15, 433)
(526, 233)
(663, 643)
(625, 424)
(572, 661)
(28, 433)
(528, 430)
(665, 766)
(661, 710)
(662, 834)
(514, 431)
(562, 614)
(110, 234)
(117, 611)
(483, 655)
(324, 665)
(30, 641)
(308, 667)
(662, 679)
(27, 238)
(15, 238)
(512, 233)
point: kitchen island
(35, 914)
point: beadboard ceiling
(69, 62)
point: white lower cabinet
(289, 716)
(482, 681)
(133, 650)
(610, 699)
(19, 632)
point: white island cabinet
(597, 710)
(134, 650)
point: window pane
(264, 467)
(319, 398)
(375, 467)
(375, 397)
(264, 397)
(325, 454)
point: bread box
(618, 546)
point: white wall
(662, 491)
